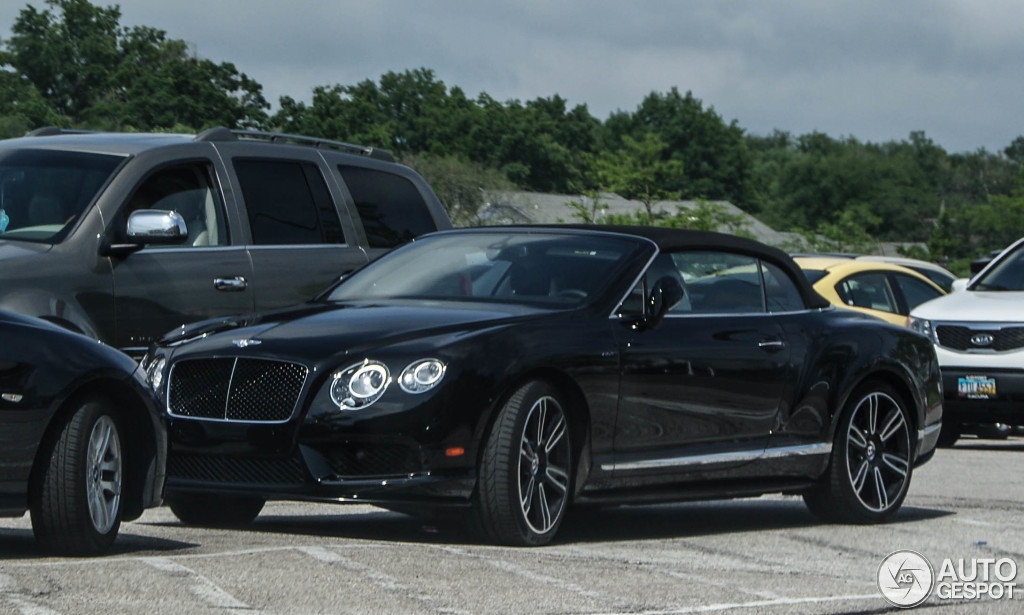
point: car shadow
(16, 544)
(582, 525)
(982, 444)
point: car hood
(19, 249)
(320, 331)
(974, 306)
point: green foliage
(88, 69)
(639, 172)
(463, 187)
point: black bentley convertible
(516, 371)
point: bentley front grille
(235, 389)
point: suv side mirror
(666, 293)
(156, 226)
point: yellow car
(880, 289)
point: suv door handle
(771, 345)
(235, 284)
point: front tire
(525, 477)
(871, 466)
(75, 500)
(213, 510)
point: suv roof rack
(227, 134)
(49, 131)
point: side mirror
(666, 293)
(959, 284)
(156, 226)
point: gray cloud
(869, 69)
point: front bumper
(254, 460)
(1006, 405)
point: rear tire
(525, 478)
(214, 510)
(75, 500)
(869, 474)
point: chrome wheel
(543, 465)
(878, 452)
(103, 474)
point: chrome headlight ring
(422, 375)
(360, 385)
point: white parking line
(205, 589)
(384, 581)
(716, 608)
(543, 578)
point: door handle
(771, 345)
(235, 284)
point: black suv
(126, 236)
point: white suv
(979, 340)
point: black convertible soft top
(673, 239)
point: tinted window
(287, 203)
(1008, 274)
(915, 292)
(781, 293)
(868, 290)
(188, 190)
(720, 282)
(42, 192)
(390, 207)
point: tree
(463, 187)
(639, 172)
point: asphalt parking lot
(766, 555)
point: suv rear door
(298, 239)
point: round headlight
(359, 385)
(421, 376)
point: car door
(700, 390)
(298, 242)
(159, 288)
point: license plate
(976, 387)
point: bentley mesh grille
(235, 389)
(959, 337)
(236, 470)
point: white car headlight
(421, 376)
(358, 386)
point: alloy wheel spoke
(526, 495)
(883, 495)
(557, 478)
(872, 414)
(556, 434)
(861, 477)
(894, 424)
(897, 464)
(857, 437)
(545, 508)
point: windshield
(1007, 274)
(539, 268)
(43, 192)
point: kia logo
(982, 339)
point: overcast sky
(871, 69)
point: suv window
(390, 206)
(42, 192)
(287, 203)
(188, 190)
